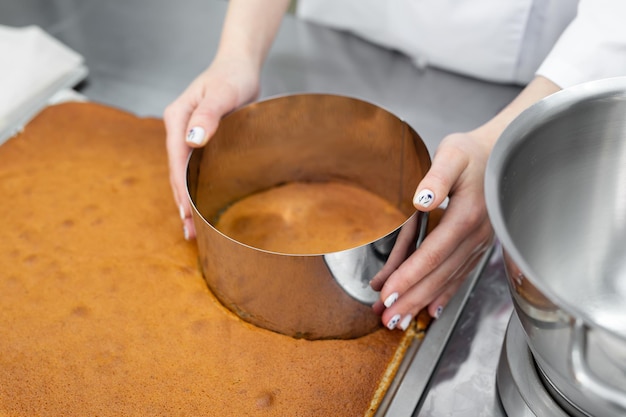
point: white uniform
(509, 41)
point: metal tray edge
(408, 389)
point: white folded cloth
(34, 66)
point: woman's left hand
(434, 272)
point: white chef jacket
(508, 41)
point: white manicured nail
(424, 198)
(404, 324)
(438, 312)
(196, 135)
(181, 211)
(393, 322)
(186, 232)
(393, 297)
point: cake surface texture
(103, 308)
(310, 217)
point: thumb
(434, 188)
(206, 117)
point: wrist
(536, 90)
(249, 29)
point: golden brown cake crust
(103, 309)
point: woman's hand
(194, 116)
(231, 81)
(432, 274)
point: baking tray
(409, 387)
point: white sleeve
(592, 47)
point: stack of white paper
(34, 66)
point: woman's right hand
(193, 117)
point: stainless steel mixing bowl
(556, 195)
(305, 137)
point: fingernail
(424, 198)
(186, 232)
(404, 324)
(393, 322)
(393, 297)
(438, 312)
(181, 211)
(196, 135)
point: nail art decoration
(424, 198)
(438, 312)
(393, 322)
(404, 324)
(393, 297)
(196, 135)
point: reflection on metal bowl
(305, 137)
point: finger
(441, 300)
(206, 116)
(436, 307)
(402, 248)
(447, 166)
(203, 113)
(419, 295)
(407, 293)
(175, 117)
(378, 307)
(438, 289)
(451, 235)
(189, 230)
